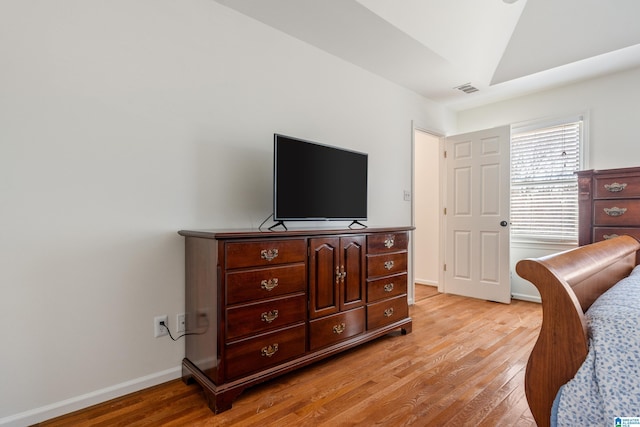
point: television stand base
(278, 224)
(357, 223)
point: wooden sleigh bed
(569, 283)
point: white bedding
(607, 385)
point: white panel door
(477, 215)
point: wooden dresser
(260, 304)
(609, 204)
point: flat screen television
(318, 182)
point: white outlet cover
(180, 323)
(159, 331)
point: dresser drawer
(390, 242)
(267, 350)
(332, 329)
(605, 233)
(386, 264)
(256, 318)
(616, 212)
(265, 252)
(387, 312)
(386, 287)
(617, 187)
(268, 282)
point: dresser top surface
(618, 171)
(254, 233)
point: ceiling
(503, 48)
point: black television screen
(318, 182)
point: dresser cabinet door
(324, 276)
(352, 272)
(336, 275)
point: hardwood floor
(463, 365)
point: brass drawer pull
(338, 329)
(615, 211)
(388, 287)
(269, 350)
(388, 312)
(615, 187)
(340, 274)
(269, 254)
(388, 265)
(609, 236)
(269, 316)
(269, 285)
(389, 242)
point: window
(544, 186)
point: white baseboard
(525, 297)
(63, 407)
(426, 282)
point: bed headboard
(569, 282)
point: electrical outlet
(407, 195)
(158, 329)
(181, 323)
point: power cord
(177, 338)
(265, 220)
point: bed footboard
(568, 282)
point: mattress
(606, 389)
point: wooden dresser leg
(406, 329)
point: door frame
(441, 193)
(441, 204)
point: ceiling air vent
(467, 88)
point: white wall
(123, 121)
(610, 104)
(427, 208)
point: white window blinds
(544, 187)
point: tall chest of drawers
(260, 304)
(609, 204)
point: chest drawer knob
(269, 350)
(389, 242)
(388, 287)
(609, 236)
(615, 187)
(615, 211)
(388, 312)
(269, 316)
(388, 265)
(338, 329)
(270, 284)
(269, 254)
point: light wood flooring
(463, 365)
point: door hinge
(444, 267)
(445, 154)
(445, 211)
